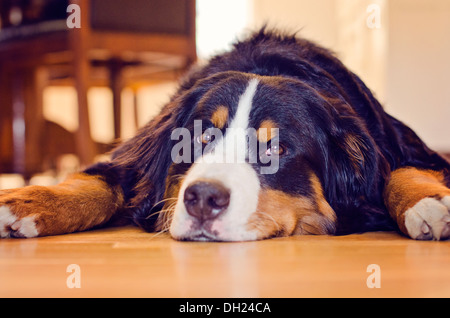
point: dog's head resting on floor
(256, 146)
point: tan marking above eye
(220, 116)
(266, 130)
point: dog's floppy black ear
(352, 162)
(146, 158)
(354, 176)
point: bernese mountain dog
(273, 138)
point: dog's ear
(354, 177)
(146, 158)
(353, 167)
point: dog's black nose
(205, 200)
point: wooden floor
(126, 262)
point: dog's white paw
(429, 219)
(12, 226)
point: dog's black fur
(353, 175)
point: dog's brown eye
(205, 138)
(275, 150)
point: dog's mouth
(202, 235)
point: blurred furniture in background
(120, 43)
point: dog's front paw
(429, 219)
(22, 211)
(79, 203)
(13, 226)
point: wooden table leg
(6, 137)
(116, 88)
(27, 121)
(85, 145)
(79, 39)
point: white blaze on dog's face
(222, 192)
(238, 178)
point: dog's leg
(79, 203)
(419, 201)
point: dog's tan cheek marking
(281, 214)
(265, 130)
(276, 214)
(220, 117)
(328, 221)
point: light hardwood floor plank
(127, 262)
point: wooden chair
(116, 39)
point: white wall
(418, 81)
(219, 23)
(315, 19)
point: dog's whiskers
(165, 218)
(163, 200)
